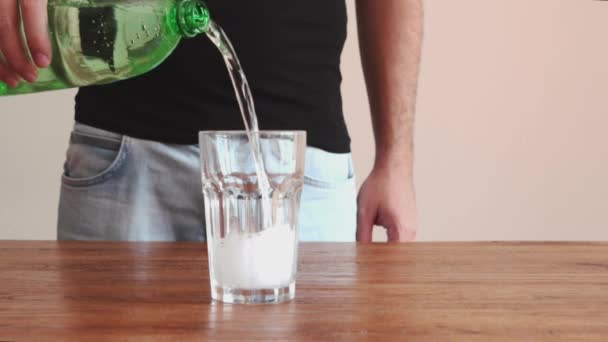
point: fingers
(35, 19)
(400, 227)
(365, 223)
(400, 235)
(392, 234)
(12, 46)
(8, 76)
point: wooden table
(436, 291)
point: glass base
(257, 296)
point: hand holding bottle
(93, 42)
(20, 58)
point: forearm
(390, 35)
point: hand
(387, 198)
(15, 63)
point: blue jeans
(116, 187)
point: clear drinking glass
(251, 232)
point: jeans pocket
(328, 176)
(324, 184)
(327, 171)
(328, 209)
(93, 158)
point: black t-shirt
(290, 51)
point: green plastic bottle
(103, 41)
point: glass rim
(244, 132)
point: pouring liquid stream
(246, 104)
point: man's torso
(290, 51)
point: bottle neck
(193, 17)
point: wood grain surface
(89, 291)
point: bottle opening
(193, 17)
